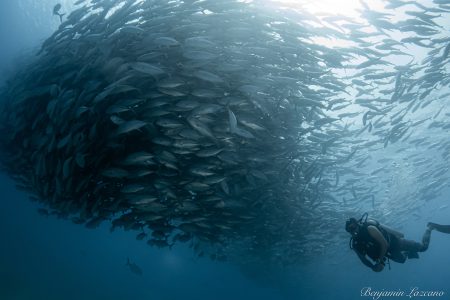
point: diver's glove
(379, 266)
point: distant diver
(134, 268)
(380, 243)
(56, 12)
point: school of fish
(227, 125)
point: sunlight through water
(347, 8)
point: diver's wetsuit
(398, 250)
(398, 245)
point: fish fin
(232, 120)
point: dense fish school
(227, 125)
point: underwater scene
(224, 149)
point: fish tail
(128, 261)
(60, 17)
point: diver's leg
(426, 239)
(397, 256)
(413, 246)
(395, 252)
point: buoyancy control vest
(365, 244)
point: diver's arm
(364, 260)
(375, 267)
(378, 236)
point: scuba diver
(379, 242)
(56, 12)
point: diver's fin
(440, 228)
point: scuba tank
(386, 231)
(394, 232)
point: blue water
(47, 258)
